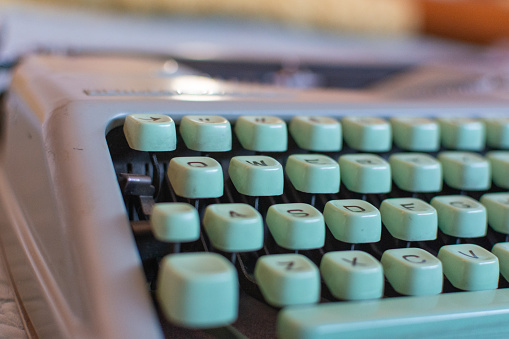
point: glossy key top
(150, 132)
(501, 250)
(314, 133)
(196, 177)
(499, 161)
(262, 133)
(469, 267)
(413, 271)
(497, 132)
(206, 133)
(256, 175)
(313, 173)
(465, 170)
(352, 275)
(367, 134)
(462, 133)
(296, 226)
(288, 279)
(416, 134)
(365, 173)
(234, 227)
(198, 290)
(497, 208)
(353, 221)
(460, 216)
(409, 219)
(175, 222)
(416, 172)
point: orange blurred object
(480, 21)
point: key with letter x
(352, 275)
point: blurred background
(362, 39)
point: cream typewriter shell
(64, 229)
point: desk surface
(11, 325)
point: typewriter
(142, 198)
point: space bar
(459, 315)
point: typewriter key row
(259, 175)
(206, 133)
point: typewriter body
(71, 243)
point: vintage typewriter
(143, 199)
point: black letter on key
(298, 213)
(409, 206)
(290, 266)
(234, 214)
(366, 161)
(472, 254)
(256, 163)
(353, 262)
(197, 164)
(355, 208)
(460, 204)
(413, 256)
(312, 161)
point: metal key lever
(140, 188)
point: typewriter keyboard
(240, 221)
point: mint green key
(470, 267)
(462, 133)
(413, 271)
(447, 315)
(175, 222)
(416, 172)
(497, 132)
(287, 279)
(353, 221)
(501, 250)
(499, 161)
(460, 216)
(234, 227)
(206, 133)
(196, 177)
(256, 175)
(465, 170)
(409, 219)
(416, 134)
(352, 275)
(365, 173)
(296, 226)
(150, 132)
(367, 134)
(262, 133)
(316, 133)
(198, 290)
(497, 208)
(313, 173)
